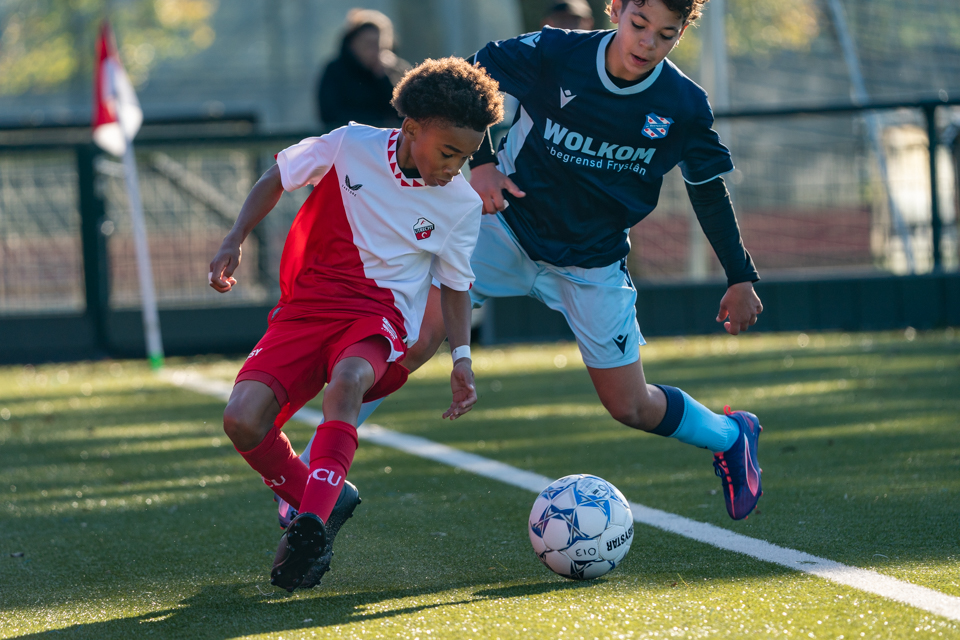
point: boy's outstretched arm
(456, 307)
(261, 200)
(740, 305)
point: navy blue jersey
(591, 156)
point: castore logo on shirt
(351, 188)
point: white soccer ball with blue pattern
(581, 527)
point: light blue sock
(704, 428)
(366, 410)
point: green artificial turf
(125, 511)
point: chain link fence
(810, 200)
(41, 264)
(807, 190)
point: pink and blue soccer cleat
(738, 467)
(285, 511)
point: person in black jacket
(572, 14)
(358, 84)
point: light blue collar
(605, 77)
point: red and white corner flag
(116, 119)
(116, 111)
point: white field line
(920, 597)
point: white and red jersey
(367, 240)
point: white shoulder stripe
(708, 179)
(515, 138)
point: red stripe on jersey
(321, 268)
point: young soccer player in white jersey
(389, 209)
(603, 117)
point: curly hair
(452, 90)
(689, 9)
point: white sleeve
(307, 161)
(451, 265)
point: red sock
(330, 458)
(279, 466)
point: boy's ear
(410, 128)
(615, 7)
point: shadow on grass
(899, 502)
(226, 611)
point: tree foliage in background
(46, 44)
(760, 27)
(754, 27)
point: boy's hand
(489, 184)
(224, 264)
(464, 391)
(740, 307)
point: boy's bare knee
(342, 399)
(345, 392)
(243, 430)
(348, 384)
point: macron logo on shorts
(621, 342)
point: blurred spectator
(358, 85)
(573, 14)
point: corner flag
(116, 111)
(116, 119)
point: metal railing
(807, 193)
(811, 197)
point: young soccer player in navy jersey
(389, 210)
(603, 116)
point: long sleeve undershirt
(711, 203)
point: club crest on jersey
(423, 228)
(656, 127)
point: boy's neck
(405, 158)
(621, 82)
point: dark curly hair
(689, 9)
(452, 90)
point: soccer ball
(581, 527)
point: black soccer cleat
(342, 511)
(301, 546)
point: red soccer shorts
(297, 354)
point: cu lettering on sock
(331, 478)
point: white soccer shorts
(599, 304)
